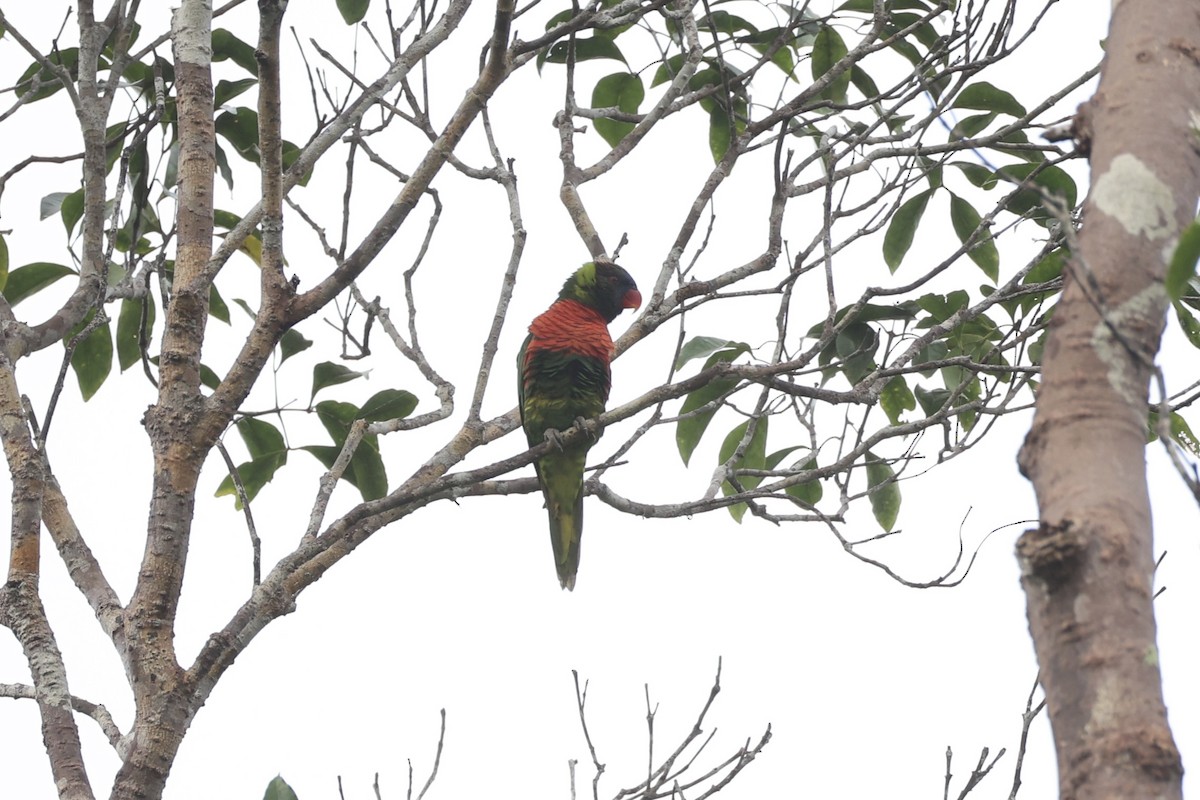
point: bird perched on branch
(563, 378)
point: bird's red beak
(632, 299)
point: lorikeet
(563, 376)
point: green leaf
(689, 431)
(827, 51)
(983, 96)
(262, 439)
(968, 127)
(621, 90)
(809, 492)
(668, 69)
(51, 204)
(3, 262)
(855, 347)
(1188, 323)
(292, 342)
(216, 304)
(981, 176)
(328, 374)
(720, 133)
(753, 457)
(129, 330)
(227, 90)
(278, 789)
(701, 346)
(47, 80)
(903, 228)
(223, 168)
(388, 404)
(227, 46)
(933, 400)
(208, 378)
(31, 279)
(92, 359)
(883, 492)
(268, 452)
(1183, 260)
(365, 471)
(240, 129)
(586, 49)
(1053, 179)
(896, 398)
(966, 220)
(353, 11)
(72, 210)
(863, 82)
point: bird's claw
(554, 437)
(590, 429)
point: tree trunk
(1088, 568)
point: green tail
(561, 476)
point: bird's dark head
(604, 286)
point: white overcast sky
(864, 682)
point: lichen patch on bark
(1134, 196)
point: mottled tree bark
(1088, 568)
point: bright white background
(864, 682)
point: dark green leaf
(216, 305)
(46, 80)
(92, 359)
(969, 127)
(263, 440)
(129, 327)
(982, 177)
(292, 342)
(388, 404)
(966, 220)
(227, 46)
(942, 307)
(240, 129)
(223, 168)
(896, 398)
(1183, 260)
(690, 430)
(353, 11)
(227, 90)
(72, 210)
(902, 229)
(621, 90)
(31, 279)
(828, 50)
(667, 70)
(365, 471)
(1188, 323)
(932, 401)
(1053, 179)
(856, 345)
(983, 96)
(863, 82)
(720, 133)
(884, 492)
(328, 374)
(753, 457)
(809, 492)
(254, 476)
(586, 49)
(3, 262)
(208, 378)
